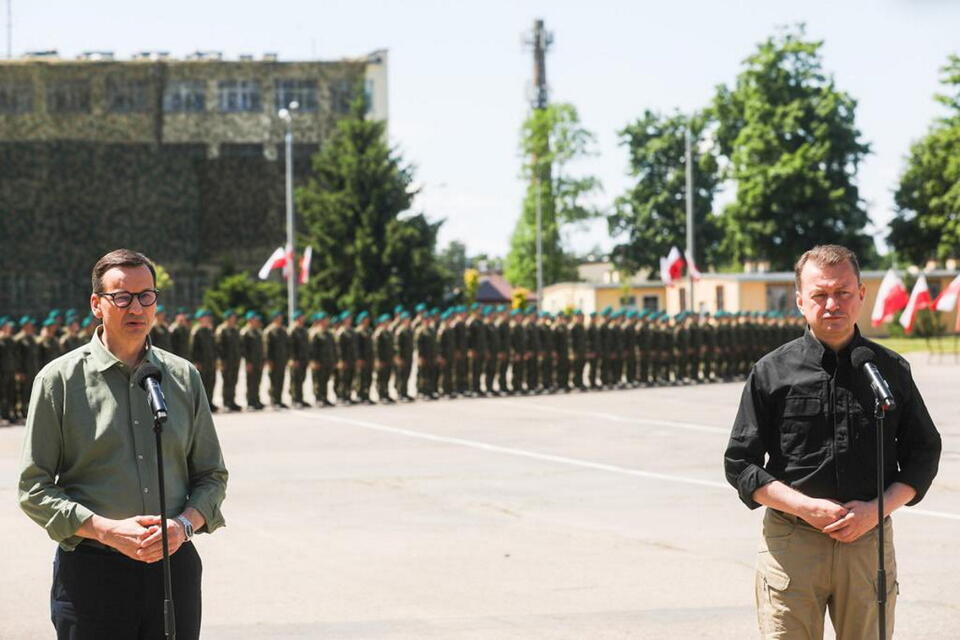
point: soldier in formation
(474, 351)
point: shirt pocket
(801, 431)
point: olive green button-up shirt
(89, 446)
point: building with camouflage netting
(180, 159)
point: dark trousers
(99, 594)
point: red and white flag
(665, 273)
(891, 297)
(277, 260)
(948, 298)
(305, 265)
(694, 272)
(919, 299)
(675, 263)
(290, 261)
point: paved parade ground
(587, 515)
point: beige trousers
(803, 573)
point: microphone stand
(879, 414)
(169, 619)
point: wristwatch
(187, 526)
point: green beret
(202, 313)
(229, 313)
(25, 320)
(362, 315)
(276, 313)
(86, 322)
(420, 307)
(297, 313)
(183, 310)
(161, 308)
(404, 315)
(250, 315)
(398, 308)
(49, 322)
(383, 317)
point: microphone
(148, 378)
(862, 357)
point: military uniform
(8, 366)
(299, 355)
(251, 339)
(227, 337)
(346, 340)
(276, 347)
(492, 357)
(365, 357)
(426, 342)
(477, 352)
(561, 335)
(180, 339)
(518, 352)
(578, 348)
(203, 354)
(28, 365)
(385, 353)
(323, 360)
(403, 344)
(504, 355)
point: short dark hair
(826, 255)
(119, 258)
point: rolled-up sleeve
(40, 497)
(918, 444)
(744, 457)
(208, 473)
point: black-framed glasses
(123, 299)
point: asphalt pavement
(584, 515)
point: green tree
(365, 255)
(793, 148)
(652, 214)
(927, 222)
(551, 138)
(242, 293)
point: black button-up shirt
(806, 419)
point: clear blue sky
(458, 74)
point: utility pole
(540, 41)
(689, 252)
(287, 116)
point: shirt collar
(816, 350)
(103, 359)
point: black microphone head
(147, 370)
(861, 355)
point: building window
(68, 96)
(125, 95)
(651, 303)
(304, 92)
(241, 150)
(628, 301)
(240, 95)
(341, 95)
(185, 96)
(16, 97)
(683, 299)
(720, 301)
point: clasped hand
(845, 522)
(140, 537)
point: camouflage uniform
(365, 357)
(578, 347)
(251, 338)
(299, 355)
(561, 335)
(477, 352)
(518, 353)
(385, 354)
(28, 365)
(323, 359)
(403, 345)
(203, 354)
(276, 348)
(426, 341)
(346, 340)
(227, 337)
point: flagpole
(287, 116)
(690, 261)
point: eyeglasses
(123, 299)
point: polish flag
(694, 272)
(277, 260)
(948, 298)
(675, 263)
(919, 299)
(665, 273)
(305, 265)
(891, 297)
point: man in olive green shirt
(88, 471)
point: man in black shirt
(804, 445)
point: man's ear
(95, 305)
